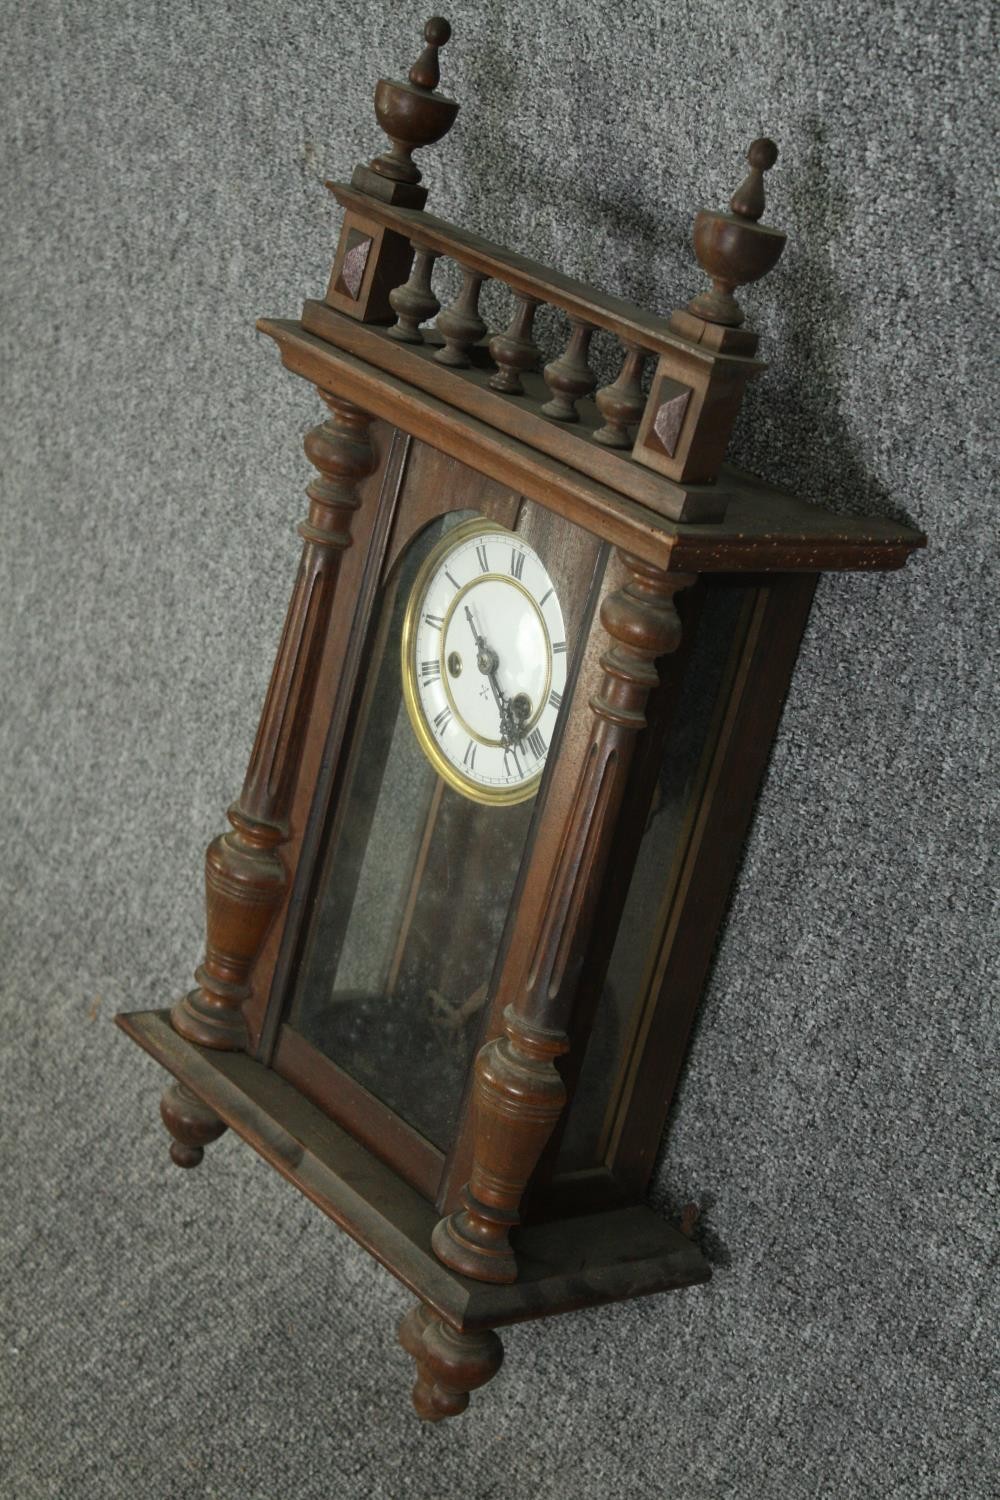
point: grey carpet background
(208, 1334)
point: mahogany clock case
(454, 1016)
(212, 1330)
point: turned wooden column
(244, 875)
(519, 1093)
(449, 1364)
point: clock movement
(532, 666)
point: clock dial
(484, 662)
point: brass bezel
(473, 790)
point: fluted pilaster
(244, 875)
(519, 1094)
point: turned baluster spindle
(515, 351)
(570, 376)
(622, 404)
(414, 302)
(460, 324)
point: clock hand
(509, 731)
(489, 664)
(486, 659)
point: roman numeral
(450, 579)
(544, 598)
(430, 671)
(442, 720)
(469, 758)
(434, 621)
(481, 555)
(512, 755)
(558, 646)
(555, 699)
(536, 744)
(516, 563)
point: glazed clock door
(471, 650)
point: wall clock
(533, 662)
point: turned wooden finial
(425, 73)
(748, 199)
(412, 114)
(734, 249)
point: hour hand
(488, 662)
(486, 658)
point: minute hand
(489, 664)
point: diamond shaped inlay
(352, 270)
(670, 417)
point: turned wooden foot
(449, 1364)
(191, 1123)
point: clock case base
(564, 1264)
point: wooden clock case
(655, 534)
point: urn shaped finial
(734, 249)
(413, 113)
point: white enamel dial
(484, 662)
